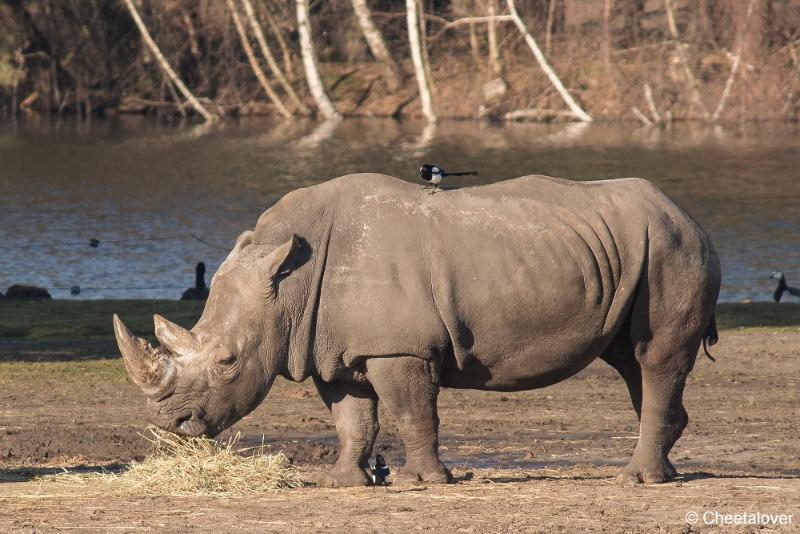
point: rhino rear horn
(176, 338)
(149, 368)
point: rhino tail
(710, 337)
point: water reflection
(134, 178)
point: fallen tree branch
(162, 63)
(641, 116)
(538, 115)
(551, 75)
(471, 20)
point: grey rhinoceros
(377, 289)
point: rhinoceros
(378, 290)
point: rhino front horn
(176, 338)
(149, 368)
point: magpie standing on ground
(433, 174)
(380, 473)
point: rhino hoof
(411, 475)
(658, 473)
(344, 478)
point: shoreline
(76, 321)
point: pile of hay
(180, 465)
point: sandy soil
(535, 461)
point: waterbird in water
(433, 174)
(783, 286)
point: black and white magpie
(380, 473)
(433, 174)
(782, 286)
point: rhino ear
(244, 239)
(277, 261)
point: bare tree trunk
(551, 75)
(287, 55)
(494, 54)
(412, 18)
(194, 47)
(19, 57)
(474, 47)
(423, 33)
(174, 94)
(273, 65)
(162, 62)
(313, 78)
(737, 60)
(607, 36)
(691, 80)
(376, 43)
(548, 32)
(251, 58)
(651, 103)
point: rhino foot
(343, 477)
(411, 474)
(654, 472)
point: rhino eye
(227, 360)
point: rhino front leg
(355, 414)
(408, 389)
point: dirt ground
(535, 461)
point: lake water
(142, 188)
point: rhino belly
(532, 309)
(523, 370)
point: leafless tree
(164, 65)
(548, 70)
(273, 65)
(415, 42)
(313, 79)
(251, 58)
(376, 43)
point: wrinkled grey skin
(378, 290)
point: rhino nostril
(190, 426)
(183, 419)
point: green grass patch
(78, 319)
(80, 373)
(81, 319)
(758, 315)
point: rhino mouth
(191, 425)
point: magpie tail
(467, 173)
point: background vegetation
(619, 59)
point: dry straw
(193, 466)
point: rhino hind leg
(665, 345)
(660, 429)
(355, 414)
(662, 422)
(408, 388)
